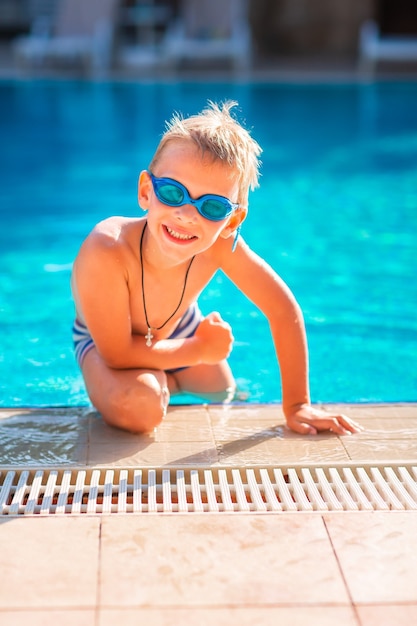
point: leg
(132, 399)
(213, 382)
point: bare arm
(260, 283)
(267, 290)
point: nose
(186, 213)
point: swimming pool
(336, 215)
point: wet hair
(217, 133)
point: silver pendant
(149, 338)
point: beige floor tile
(271, 450)
(234, 422)
(66, 413)
(376, 552)
(176, 561)
(108, 445)
(100, 432)
(390, 410)
(38, 437)
(182, 430)
(381, 450)
(383, 421)
(49, 562)
(182, 423)
(153, 454)
(240, 430)
(256, 413)
(185, 437)
(259, 616)
(194, 413)
(185, 423)
(37, 617)
(388, 428)
(257, 435)
(391, 615)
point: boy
(139, 335)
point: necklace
(149, 335)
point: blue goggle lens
(173, 193)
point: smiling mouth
(179, 236)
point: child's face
(182, 230)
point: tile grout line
(212, 433)
(339, 565)
(98, 578)
(349, 457)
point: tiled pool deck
(345, 568)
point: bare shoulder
(232, 261)
(105, 259)
(112, 236)
(114, 230)
(110, 249)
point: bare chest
(160, 300)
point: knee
(224, 396)
(138, 408)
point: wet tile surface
(43, 437)
(260, 449)
(381, 450)
(373, 412)
(203, 436)
(193, 424)
(152, 454)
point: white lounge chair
(374, 47)
(210, 30)
(81, 31)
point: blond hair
(217, 133)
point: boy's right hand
(215, 338)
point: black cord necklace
(149, 335)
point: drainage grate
(268, 490)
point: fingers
(310, 421)
(214, 338)
(349, 424)
(335, 423)
(302, 428)
(214, 316)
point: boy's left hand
(308, 420)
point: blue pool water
(336, 215)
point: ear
(144, 190)
(235, 220)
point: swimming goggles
(173, 193)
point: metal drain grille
(268, 490)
